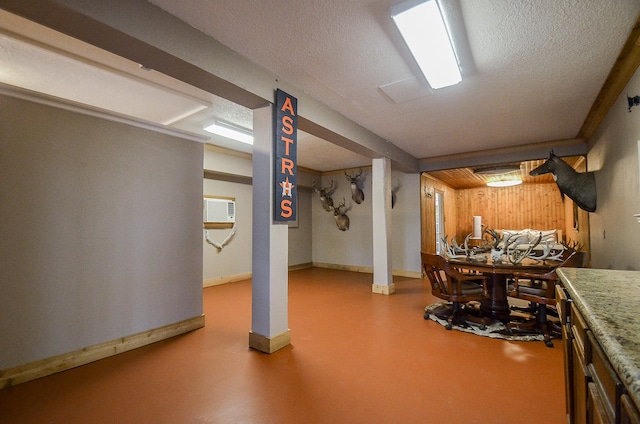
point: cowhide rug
(496, 330)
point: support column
(270, 278)
(381, 205)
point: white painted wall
(100, 227)
(235, 259)
(405, 222)
(300, 235)
(355, 247)
(316, 238)
(613, 154)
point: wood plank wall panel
(534, 204)
(537, 206)
(429, 186)
(525, 206)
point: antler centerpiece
(488, 243)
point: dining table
(496, 305)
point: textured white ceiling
(531, 70)
(539, 64)
(45, 61)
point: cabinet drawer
(597, 409)
(604, 376)
(628, 412)
(578, 327)
(579, 380)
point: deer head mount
(356, 193)
(340, 215)
(325, 195)
(579, 186)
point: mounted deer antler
(393, 194)
(325, 198)
(339, 214)
(356, 193)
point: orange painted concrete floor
(355, 357)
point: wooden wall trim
(23, 373)
(623, 69)
(230, 178)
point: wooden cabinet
(562, 303)
(595, 393)
(628, 412)
(605, 385)
(579, 361)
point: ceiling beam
(623, 69)
(534, 151)
(145, 34)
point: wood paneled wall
(538, 206)
(428, 188)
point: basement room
(308, 212)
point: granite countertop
(608, 301)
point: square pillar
(270, 278)
(381, 211)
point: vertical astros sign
(286, 155)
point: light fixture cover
(497, 169)
(230, 131)
(504, 183)
(424, 30)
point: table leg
(497, 306)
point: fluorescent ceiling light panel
(507, 183)
(230, 131)
(423, 28)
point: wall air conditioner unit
(219, 210)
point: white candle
(477, 227)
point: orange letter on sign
(288, 165)
(286, 208)
(288, 106)
(287, 125)
(288, 141)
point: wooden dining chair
(540, 291)
(457, 288)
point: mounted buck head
(339, 214)
(325, 198)
(356, 193)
